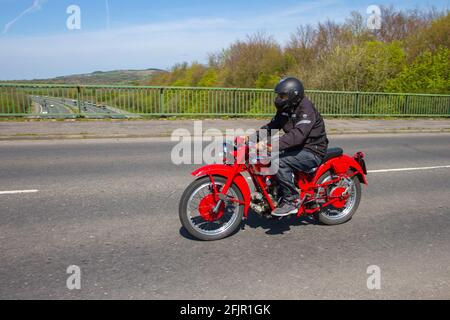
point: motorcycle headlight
(228, 157)
(225, 148)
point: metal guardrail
(71, 101)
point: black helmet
(290, 92)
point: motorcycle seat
(331, 154)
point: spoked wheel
(349, 192)
(197, 210)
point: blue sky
(137, 34)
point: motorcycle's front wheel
(197, 206)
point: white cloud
(153, 45)
(157, 45)
(37, 5)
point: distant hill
(116, 77)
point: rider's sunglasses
(283, 96)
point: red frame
(307, 183)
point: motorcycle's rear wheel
(331, 215)
(197, 216)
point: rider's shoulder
(307, 106)
(306, 103)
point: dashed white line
(18, 192)
(408, 169)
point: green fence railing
(70, 101)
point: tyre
(332, 215)
(197, 216)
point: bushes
(14, 101)
(332, 56)
(428, 73)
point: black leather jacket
(304, 129)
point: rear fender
(227, 172)
(341, 165)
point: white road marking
(370, 171)
(408, 169)
(18, 192)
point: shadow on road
(185, 234)
(273, 226)
(276, 226)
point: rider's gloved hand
(263, 146)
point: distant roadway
(55, 107)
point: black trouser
(289, 162)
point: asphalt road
(99, 112)
(52, 106)
(60, 106)
(111, 208)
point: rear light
(359, 157)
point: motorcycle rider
(304, 144)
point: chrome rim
(219, 226)
(334, 213)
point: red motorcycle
(213, 206)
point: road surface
(54, 107)
(111, 208)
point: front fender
(227, 172)
(341, 165)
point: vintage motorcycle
(215, 204)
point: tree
(401, 25)
(245, 61)
(334, 56)
(209, 78)
(428, 74)
(430, 38)
(381, 62)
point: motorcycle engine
(259, 204)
